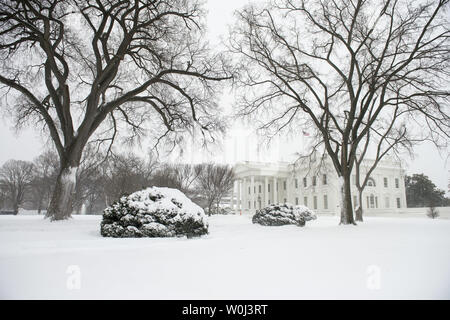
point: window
(305, 201)
(268, 187)
(268, 201)
(368, 202)
(397, 184)
(277, 185)
(385, 182)
(386, 202)
(324, 179)
(296, 200)
(372, 201)
(304, 182)
(284, 200)
(284, 185)
(376, 202)
(296, 183)
(314, 181)
(371, 182)
(315, 202)
(259, 188)
(355, 202)
(325, 201)
(398, 203)
(249, 204)
(254, 189)
(249, 190)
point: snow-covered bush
(154, 212)
(432, 212)
(282, 214)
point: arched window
(371, 182)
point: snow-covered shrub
(432, 212)
(154, 212)
(282, 214)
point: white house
(258, 184)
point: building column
(244, 194)
(239, 203)
(288, 190)
(275, 192)
(232, 202)
(252, 192)
(266, 192)
(403, 204)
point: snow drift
(154, 212)
(282, 214)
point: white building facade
(258, 184)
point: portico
(259, 185)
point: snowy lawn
(385, 258)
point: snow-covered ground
(385, 258)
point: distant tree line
(101, 181)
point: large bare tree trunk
(359, 211)
(16, 207)
(346, 200)
(61, 203)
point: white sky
(241, 142)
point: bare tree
(432, 212)
(165, 176)
(88, 178)
(125, 174)
(186, 175)
(3, 197)
(95, 192)
(80, 65)
(337, 68)
(215, 181)
(390, 138)
(16, 177)
(46, 167)
(180, 176)
(90, 191)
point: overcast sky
(241, 143)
